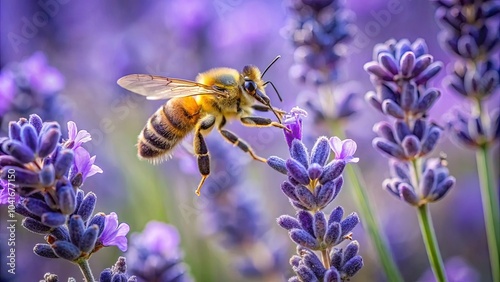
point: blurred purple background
(93, 43)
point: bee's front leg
(264, 108)
(260, 122)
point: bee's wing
(158, 87)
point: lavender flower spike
(400, 72)
(114, 234)
(311, 185)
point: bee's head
(254, 87)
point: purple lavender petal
(36, 206)
(443, 187)
(297, 171)
(114, 234)
(320, 151)
(48, 141)
(89, 238)
(377, 70)
(352, 266)
(332, 275)
(298, 151)
(76, 228)
(430, 141)
(351, 250)
(421, 64)
(277, 164)
(312, 261)
(315, 171)
(390, 107)
(427, 100)
(289, 190)
(428, 73)
(305, 274)
(84, 164)
(336, 215)
(19, 150)
(76, 138)
(409, 96)
(14, 131)
(389, 63)
(306, 221)
(348, 224)
(36, 122)
(332, 171)
(35, 226)
(87, 206)
(408, 195)
(371, 98)
(303, 238)
(288, 222)
(384, 129)
(44, 250)
(388, 148)
(332, 235)
(406, 63)
(411, 146)
(427, 183)
(319, 225)
(29, 137)
(66, 250)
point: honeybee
(217, 96)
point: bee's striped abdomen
(167, 127)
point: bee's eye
(250, 86)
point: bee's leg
(260, 122)
(260, 108)
(201, 151)
(236, 141)
(264, 108)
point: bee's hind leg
(201, 151)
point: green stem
(325, 257)
(431, 245)
(86, 271)
(367, 215)
(427, 229)
(489, 196)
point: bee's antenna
(274, 61)
(274, 87)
